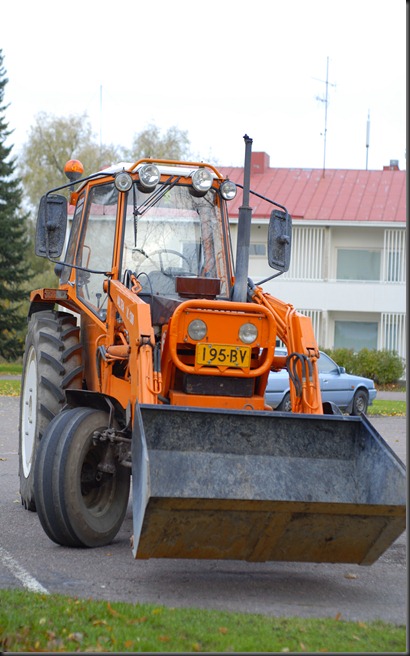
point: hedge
(384, 367)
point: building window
(393, 332)
(358, 264)
(355, 335)
(257, 249)
(394, 256)
(316, 319)
(306, 261)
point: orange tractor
(149, 361)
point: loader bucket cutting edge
(263, 486)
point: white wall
(328, 298)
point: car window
(326, 364)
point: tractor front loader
(149, 361)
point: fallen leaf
(164, 638)
(75, 637)
(302, 646)
(223, 629)
(137, 620)
(112, 610)
(128, 643)
(157, 611)
(362, 625)
(196, 646)
(338, 616)
(350, 575)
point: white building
(348, 263)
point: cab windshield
(171, 233)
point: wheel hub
(29, 406)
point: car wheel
(360, 402)
(285, 405)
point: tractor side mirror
(51, 226)
(279, 240)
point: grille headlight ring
(248, 333)
(197, 329)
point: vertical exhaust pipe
(239, 292)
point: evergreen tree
(13, 243)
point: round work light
(197, 329)
(248, 333)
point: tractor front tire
(52, 363)
(79, 502)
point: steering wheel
(162, 251)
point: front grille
(218, 385)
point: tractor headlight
(149, 176)
(248, 333)
(228, 190)
(123, 181)
(197, 329)
(202, 180)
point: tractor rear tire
(78, 504)
(52, 363)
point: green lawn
(12, 368)
(10, 387)
(387, 408)
(55, 623)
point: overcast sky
(217, 70)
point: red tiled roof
(339, 195)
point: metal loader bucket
(263, 486)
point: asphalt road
(28, 558)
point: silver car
(352, 394)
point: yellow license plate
(223, 355)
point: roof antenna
(367, 137)
(325, 100)
(101, 118)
